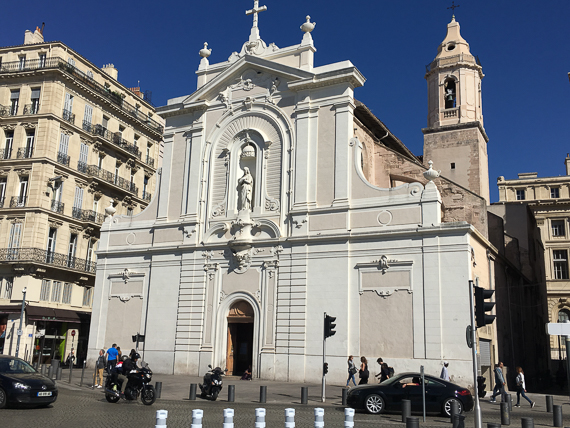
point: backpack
(391, 371)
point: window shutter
(15, 95)
(83, 152)
(68, 102)
(78, 202)
(63, 143)
(88, 113)
(15, 235)
(35, 93)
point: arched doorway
(240, 338)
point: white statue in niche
(245, 190)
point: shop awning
(10, 309)
(38, 313)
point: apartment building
(73, 142)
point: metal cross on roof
(453, 6)
(256, 9)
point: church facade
(282, 198)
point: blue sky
(522, 45)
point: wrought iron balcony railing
(88, 215)
(82, 167)
(25, 152)
(60, 63)
(150, 161)
(18, 202)
(6, 153)
(11, 110)
(36, 255)
(113, 138)
(109, 177)
(87, 126)
(33, 108)
(68, 116)
(63, 159)
(146, 196)
(57, 207)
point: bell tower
(455, 139)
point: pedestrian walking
(363, 373)
(384, 370)
(521, 389)
(351, 371)
(499, 382)
(112, 355)
(444, 373)
(100, 366)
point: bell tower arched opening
(239, 356)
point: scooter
(212, 383)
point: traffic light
(481, 386)
(325, 368)
(481, 307)
(329, 326)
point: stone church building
(282, 198)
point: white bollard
(228, 418)
(289, 418)
(197, 415)
(319, 417)
(260, 418)
(348, 418)
(161, 416)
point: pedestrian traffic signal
(481, 307)
(325, 368)
(329, 326)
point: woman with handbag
(351, 371)
(521, 388)
(363, 373)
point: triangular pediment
(249, 70)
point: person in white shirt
(521, 388)
(444, 373)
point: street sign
(20, 332)
(558, 329)
(72, 333)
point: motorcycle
(137, 384)
(212, 383)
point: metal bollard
(458, 421)
(262, 394)
(454, 410)
(412, 422)
(493, 425)
(260, 418)
(319, 417)
(50, 371)
(510, 401)
(192, 395)
(82, 373)
(231, 393)
(289, 418)
(527, 422)
(228, 418)
(344, 396)
(304, 394)
(406, 410)
(505, 414)
(549, 403)
(161, 416)
(348, 418)
(197, 416)
(59, 373)
(43, 369)
(557, 415)
(158, 389)
(70, 372)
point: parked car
(388, 395)
(20, 383)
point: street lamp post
(21, 320)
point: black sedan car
(20, 383)
(388, 395)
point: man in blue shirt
(499, 383)
(112, 354)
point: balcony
(88, 126)
(150, 161)
(18, 202)
(146, 196)
(8, 110)
(57, 207)
(25, 152)
(33, 108)
(82, 167)
(68, 116)
(113, 138)
(63, 159)
(87, 215)
(36, 255)
(5, 153)
(451, 112)
(61, 64)
(109, 177)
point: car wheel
(446, 410)
(3, 398)
(374, 404)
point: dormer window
(450, 93)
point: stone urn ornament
(308, 26)
(431, 174)
(205, 52)
(110, 210)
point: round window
(450, 47)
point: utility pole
(20, 332)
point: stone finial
(308, 26)
(431, 174)
(205, 52)
(110, 210)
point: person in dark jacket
(363, 373)
(499, 382)
(384, 370)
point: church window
(450, 93)
(520, 195)
(452, 165)
(560, 258)
(558, 228)
(554, 192)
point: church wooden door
(239, 354)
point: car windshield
(15, 366)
